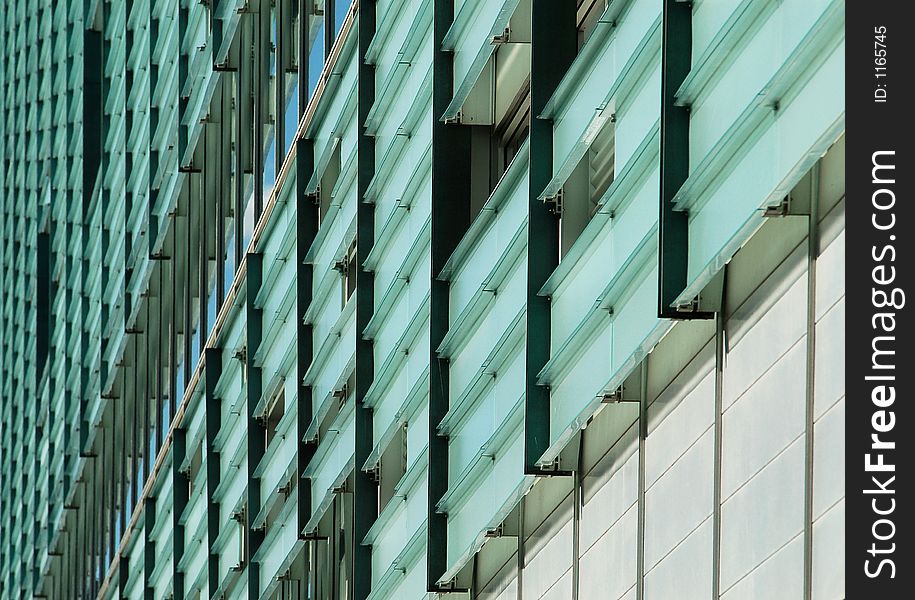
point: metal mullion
(173, 329)
(183, 72)
(84, 334)
(142, 378)
(102, 480)
(304, 52)
(332, 548)
(42, 312)
(124, 452)
(153, 377)
(123, 573)
(329, 34)
(203, 228)
(161, 352)
(279, 131)
(152, 125)
(641, 506)
(238, 179)
(187, 296)
(720, 353)
(813, 250)
(92, 508)
(120, 491)
(76, 570)
(578, 495)
(85, 534)
(225, 136)
(261, 93)
(114, 482)
(89, 497)
(522, 549)
(135, 434)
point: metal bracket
(374, 473)
(503, 38)
(451, 587)
(709, 300)
(241, 354)
(690, 306)
(495, 532)
(551, 469)
(340, 394)
(692, 309)
(555, 203)
(614, 397)
(779, 210)
(341, 266)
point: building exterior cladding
(397, 299)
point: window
(294, 583)
(341, 7)
(240, 516)
(494, 572)
(511, 130)
(318, 48)
(589, 13)
(339, 400)
(328, 182)
(332, 549)
(583, 191)
(392, 466)
(192, 469)
(345, 545)
(241, 355)
(249, 219)
(274, 414)
(498, 109)
(43, 305)
(277, 504)
(273, 156)
(287, 84)
(348, 267)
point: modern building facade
(404, 299)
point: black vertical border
(877, 124)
